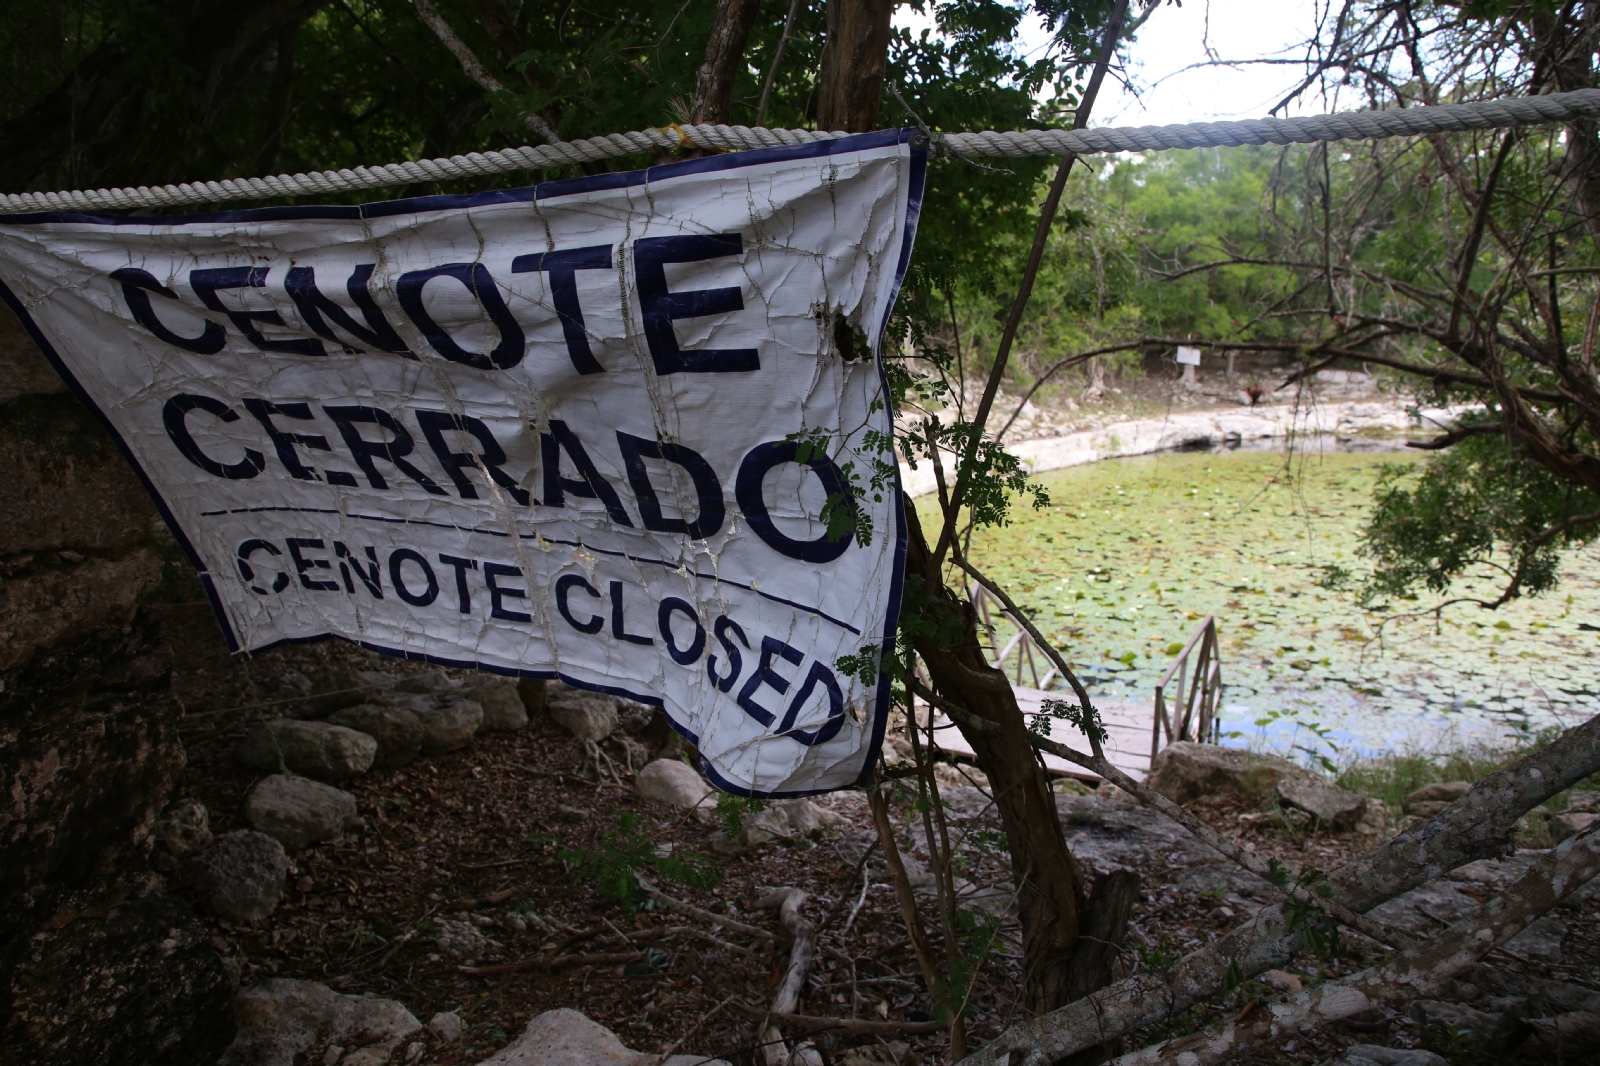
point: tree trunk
(1049, 882)
(853, 62)
(713, 84)
(1569, 41)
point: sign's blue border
(575, 186)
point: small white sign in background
(1188, 356)
(547, 432)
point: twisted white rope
(1350, 125)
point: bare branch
(474, 68)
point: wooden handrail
(1205, 691)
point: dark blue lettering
(819, 675)
(301, 284)
(174, 415)
(673, 605)
(765, 675)
(249, 548)
(461, 567)
(565, 585)
(434, 425)
(302, 565)
(660, 308)
(496, 592)
(206, 283)
(752, 502)
(721, 627)
(561, 439)
(365, 451)
(284, 443)
(398, 558)
(475, 278)
(136, 287)
(617, 628)
(563, 267)
(368, 578)
(712, 507)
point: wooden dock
(1130, 726)
(1127, 742)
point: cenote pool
(1132, 553)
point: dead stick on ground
(788, 901)
(1477, 826)
(704, 915)
(549, 961)
(1418, 972)
(852, 1026)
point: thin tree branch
(1041, 236)
(474, 68)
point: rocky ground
(455, 866)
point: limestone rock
(1376, 1055)
(345, 688)
(672, 781)
(450, 726)
(1332, 806)
(1446, 792)
(184, 830)
(462, 940)
(1539, 943)
(241, 876)
(446, 1026)
(1283, 980)
(503, 709)
(565, 1037)
(586, 717)
(311, 749)
(427, 683)
(397, 730)
(784, 820)
(1185, 771)
(139, 985)
(299, 812)
(280, 1020)
(1471, 1024)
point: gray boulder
(586, 717)
(446, 1026)
(675, 782)
(397, 730)
(1332, 806)
(281, 1020)
(298, 812)
(1185, 771)
(184, 830)
(311, 749)
(1431, 800)
(344, 688)
(564, 1037)
(450, 726)
(240, 877)
(1540, 942)
(503, 709)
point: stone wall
(96, 964)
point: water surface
(1132, 553)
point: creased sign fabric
(547, 432)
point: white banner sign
(547, 432)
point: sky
(1176, 37)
